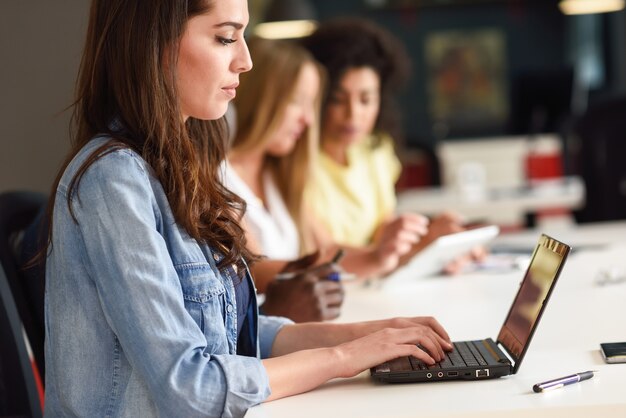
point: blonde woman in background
(269, 166)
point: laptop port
(440, 374)
(453, 374)
(482, 373)
(429, 375)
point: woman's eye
(226, 41)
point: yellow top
(351, 201)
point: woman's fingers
(425, 337)
(430, 345)
(415, 224)
(331, 312)
(432, 323)
(420, 354)
(419, 341)
(427, 321)
(332, 293)
(301, 263)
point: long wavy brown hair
(121, 79)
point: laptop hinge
(499, 352)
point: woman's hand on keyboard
(390, 343)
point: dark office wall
(41, 41)
(616, 47)
(40, 45)
(535, 35)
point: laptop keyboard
(465, 353)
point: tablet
(434, 257)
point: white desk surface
(580, 315)
(501, 205)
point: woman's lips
(231, 90)
(348, 130)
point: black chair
(19, 396)
(18, 209)
(601, 160)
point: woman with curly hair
(353, 193)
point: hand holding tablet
(433, 258)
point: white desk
(580, 316)
(501, 206)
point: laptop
(486, 359)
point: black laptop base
(471, 360)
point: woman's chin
(351, 139)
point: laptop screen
(528, 306)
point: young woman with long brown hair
(150, 309)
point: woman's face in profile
(211, 56)
(352, 108)
(299, 113)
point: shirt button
(229, 308)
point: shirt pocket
(204, 298)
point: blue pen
(562, 381)
(337, 276)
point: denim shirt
(139, 320)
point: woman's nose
(308, 116)
(351, 110)
(243, 60)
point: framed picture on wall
(467, 80)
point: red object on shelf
(543, 166)
(414, 175)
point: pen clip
(338, 256)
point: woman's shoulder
(375, 146)
(101, 158)
(380, 141)
(382, 155)
(229, 177)
(233, 181)
(109, 154)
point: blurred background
(503, 93)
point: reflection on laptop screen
(526, 309)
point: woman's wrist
(383, 262)
(337, 362)
(361, 329)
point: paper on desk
(499, 263)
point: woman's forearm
(321, 352)
(364, 262)
(323, 334)
(314, 335)
(302, 371)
